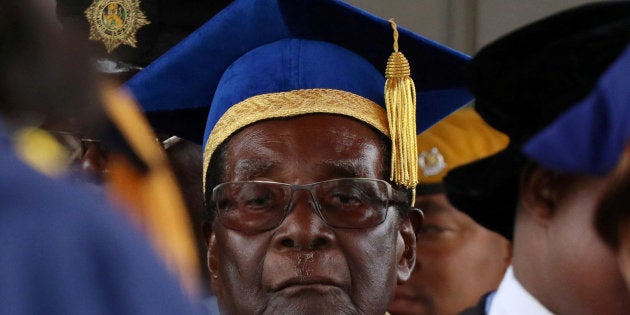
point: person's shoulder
(22, 188)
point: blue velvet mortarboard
(590, 137)
(252, 48)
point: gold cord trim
(293, 103)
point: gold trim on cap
(288, 104)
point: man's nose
(303, 228)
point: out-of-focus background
(465, 25)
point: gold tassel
(400, 99)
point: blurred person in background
(160, 24)
(458, 260)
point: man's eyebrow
(246, 169)
(348, 167)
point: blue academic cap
(590, 137)
(255, 48)
(184, 80)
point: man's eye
(259, 203)
(345, 201)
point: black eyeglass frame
(391, 197)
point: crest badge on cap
(431, 162)
(115, 22)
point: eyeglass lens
(341, 203)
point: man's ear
(539, 192)
(211, 253)
(212, 256)
(406, 250)
(211, 261)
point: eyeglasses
(169, 142)
(74, 143)
(255, 206)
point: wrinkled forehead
(329, 145)
(286, 105)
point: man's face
(579, 271)
(303, 265)
(458, 261)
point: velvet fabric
(294, 64)
(522, 82)
(590, 137)
(187, 78)
(487, 189)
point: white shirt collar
(512, 299)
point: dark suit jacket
(479, 309)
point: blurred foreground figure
(148, 29)
(592, 138)
(523, 82)
(458, 260)
(64, 251)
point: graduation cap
(590, 137)
(264, 59)
(460, 138)
(522, 82)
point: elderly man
(299, 150)
(523, 82)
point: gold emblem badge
(431, 162)
(115, 22)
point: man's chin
(312, 299)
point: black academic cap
(522, 82)
(167, 22)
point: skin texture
(613, 218)
(623, 254)
(458, 261)
(304, 266)
(558, 256)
